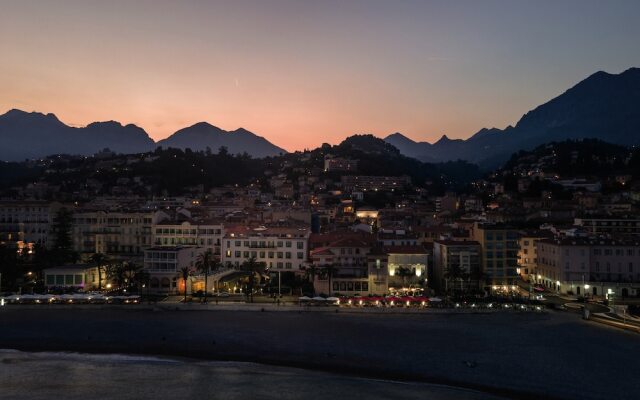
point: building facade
(573, 265)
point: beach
(513, 355)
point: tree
(185, 272)
(101, 261)
(129, 272)
(204, 263)
(455, 273)
(62, 250)
(405, 272)
(251, 267)
(328, 271)
(9, 267)
(310, 274)
(115, 273)
(142, 277)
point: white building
(206, 234)
(27, 221)
(164, 264)
(115, 233)
(281, 248)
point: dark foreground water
(31, 376)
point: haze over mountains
(26, 135)
(603, 106)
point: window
(300, 245)
(300, 255)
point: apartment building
(119, 234)
(333, 164)
(206, 234)
(453, 254)
(566, 265)
(164, 264)
(374, 183)
(499, 245)
(610, 226)
(281, 247)
(350, 262)
(27, 222)
(527, 252)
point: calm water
(31, 376)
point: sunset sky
(302, 73)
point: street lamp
(586, 288)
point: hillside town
(318, 224)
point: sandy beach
(555, 355)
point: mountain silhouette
(603, 106)
(32, 135)
(202, 135)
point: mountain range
(603, 106)
(29, 135)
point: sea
(63, 375)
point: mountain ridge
(602, 106)
(47, 135)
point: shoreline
(330, 368)
(435, 349)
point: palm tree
(455, 273)
(142, 277)
(101, 261)
(250, 267)
(405, 272)
(184, 274)
(203, 264)
(327, 271)
(310, 274)
(129, 272)
(114, 273)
